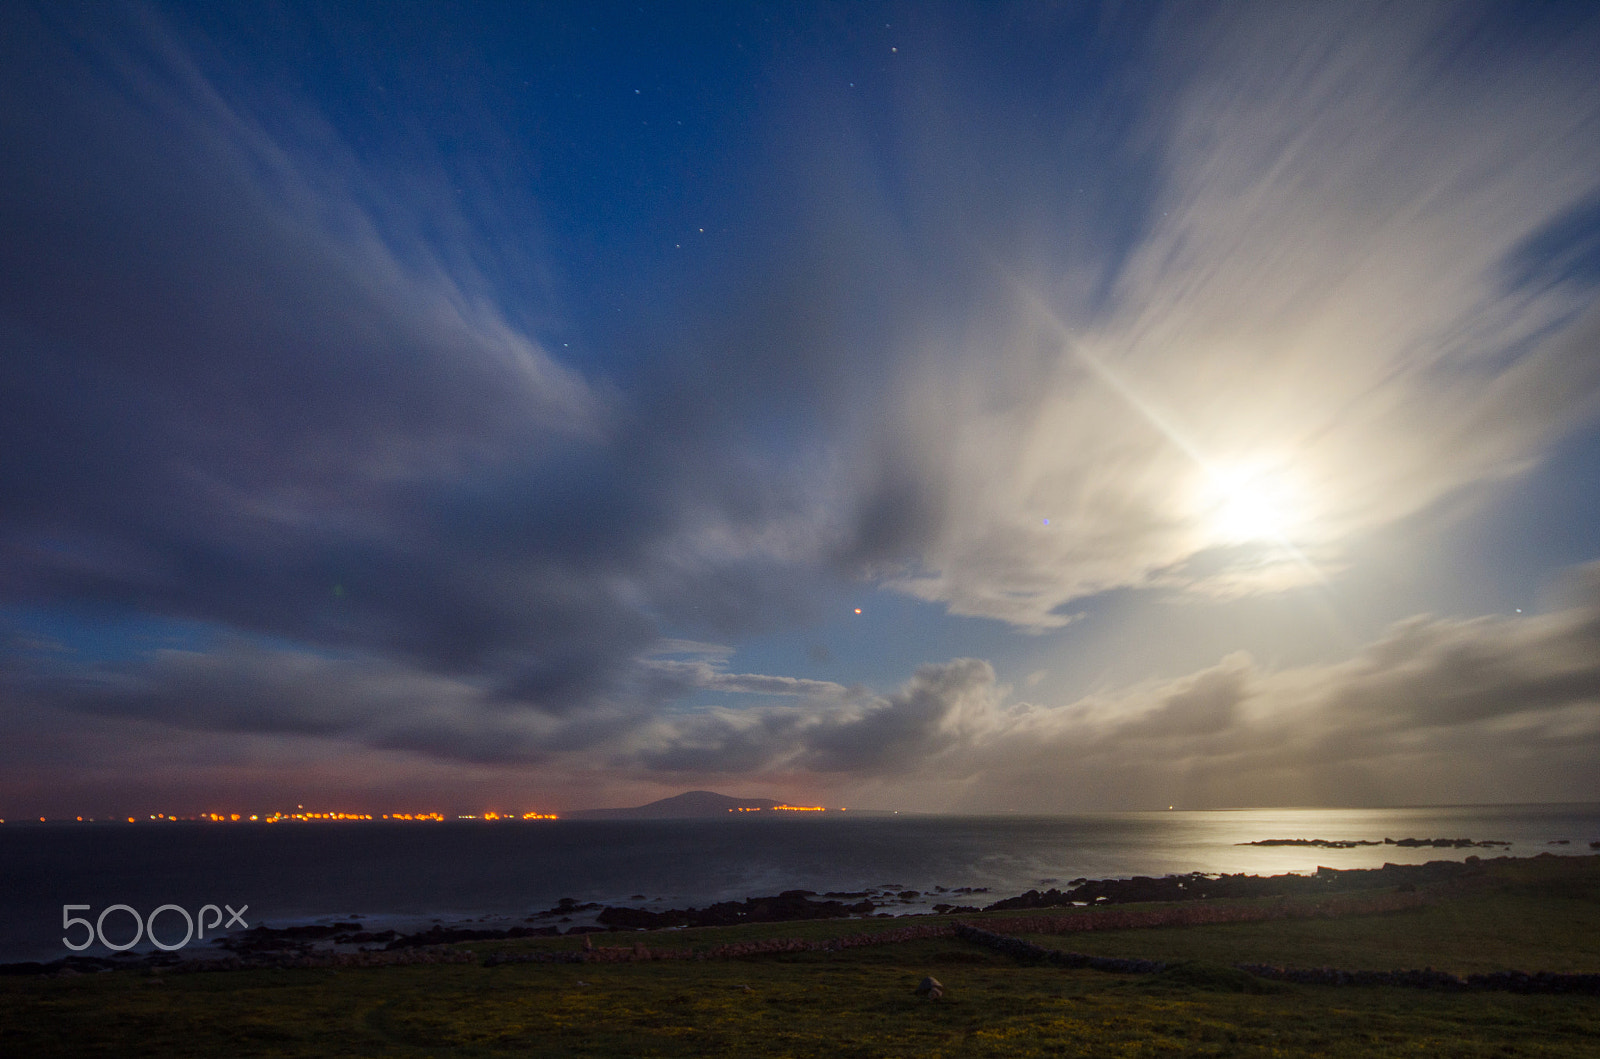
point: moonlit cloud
(1433, 699)
(531, 407)
(1318, 305)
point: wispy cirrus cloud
(255, 380)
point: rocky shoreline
(1197, 886)
(348, 944)
(1249, 976)
(1409, 843)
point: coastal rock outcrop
(791, 905)
(1196, 886)
(1410, 843)
(451, 935)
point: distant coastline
(692, 805)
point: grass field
(1540, 915)
(1529, 915)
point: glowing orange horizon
(305, 816)
(302, 815)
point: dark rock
(364, 937)
(1319, 843)
(790, 906)
(567, 906)
(265, 939)
(452, 935)
(1196, 886)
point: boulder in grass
(930, 988)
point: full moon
(1251, 503)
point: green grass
(1538, 916)
(701, 938)
(860, 1002)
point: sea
(409, 875)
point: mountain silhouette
(678, 807)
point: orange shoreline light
(309, 817)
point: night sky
(958, 407)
